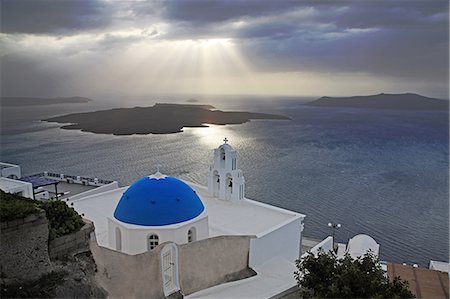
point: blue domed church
(162, 235)
(157, 209)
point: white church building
(160, 209)
(164, 237)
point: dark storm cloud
(192, 16)
(53, 16)
(381, 52)
(398, 39)
(393, 38)
(201, 12)
(389, 14)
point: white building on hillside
(10, 171)
(17, 187)
(159, 208)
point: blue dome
(158, 201)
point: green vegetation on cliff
(15, 207)
(62, 219)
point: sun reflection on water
(213, 135)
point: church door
(169, 265)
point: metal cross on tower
(225, 140)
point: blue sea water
(380, 172)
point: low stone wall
(23, 247)
(213, 261)
(128, 276)
(72, 243)
(201, 264)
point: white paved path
(274, 277)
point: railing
(74, 179)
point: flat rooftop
(247, 217)
(68, 189)
(4, 165)
(7, 184)
(423, 283)
(225, 217)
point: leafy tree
(326, 276)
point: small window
(153, 241)
(192, 235)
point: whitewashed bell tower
(225, 181)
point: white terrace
(247, 217)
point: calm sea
(379, 172)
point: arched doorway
(169, 268)
(118, 239)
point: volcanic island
(157, 119)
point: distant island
(158, 119)
(27, 101)
(406, 101)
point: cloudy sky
(299, 48)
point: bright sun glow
(214, 42)
(192, 66)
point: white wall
(104, 188)
(135, 241)
(14, 186)
(440, 266)
(10, 169)
(326, 245)
(42, 195)
(283, 242)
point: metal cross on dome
(225, 140)
(157, 167)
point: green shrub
(15, 206)
(62, 219)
